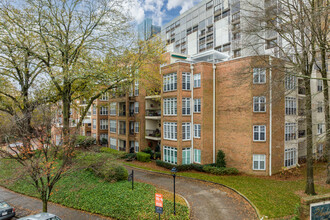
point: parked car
(6, 211)
(41, 216)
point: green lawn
(82, 190)
(273, 198)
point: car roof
(40, 216)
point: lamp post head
(173, 171)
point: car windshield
(4, 205)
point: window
(271, 43)
(197, 80)
(104, 111)
(290, 131)
(94, 123)
(259, 75)
(104, 136)
(259, 161)
(136, 107)
(319, 128)
(290, 106)
(94, 109)
(186, 106)
(113, 108)
(197, 130)
(136, 146)
(320, 148)
(136, 88)
(170, 130)
(170, 106)
(186, 81)
(113, 126)
(259, 133)
(197, 105)
(290, 82)
(136, 127)
(113, 143)
(290, 157)
(70, 112)
(319, 85)
(170, 154)
(170, 82)
(259, 104)
(319, 107)
(103, 124)
(186, 131)
(104, 97)
(186, 155)
(197, 156)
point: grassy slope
(82, 190)
(273, 198)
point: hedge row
(143, 157)
(201, 168)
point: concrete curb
(239, 193)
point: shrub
(84, 142)
(220, 170)
(109, 172)
(130, 156)
(148, 150)
(143, 157)
(198, 167)
(158, 155)
(221, 161)
(112, 151)
(104, 141)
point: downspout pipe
(270, 116)
(192, 111)
(214, 67)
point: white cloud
(183, 4)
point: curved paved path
(207, 200)
(26, 205)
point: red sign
(159, 200)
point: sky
(160, 11)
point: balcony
(271, 34)
(301, 90)
(122, 113)
(153, 134)
(236, 44)
(122, 131)
(122, 145)
(153, 114)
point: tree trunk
(44, 205)
(310, 190)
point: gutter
(214, 67)
(270, 116)
(192, 112)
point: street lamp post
(173, 171)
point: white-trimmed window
(170, 106)
(186, 131)
(170, 154)
(103, 124)
(113, 126)
(259, 133)
(185, 81)
(136, 127)
(290, 82)
(259, 162)
(197, 130)
(290, 156)
(290, 131)
(259, 75)
(103, 136)
(320, 107)
(170, 130)
(197, 80)
(185, 106)
(320, 128)
(259, 104)
(136, 107)
(290, 106)
(186, 155)
(94, 109)
(136, 88)
(104, 97)
(320, 148)
(170, 82)
(197, 156)
(197, 105)
(94, 123)
(113, 106)
(136, 146)
(104, 111)
(113, 143)
(319, 85)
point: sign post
(131, 178)
(159, 204)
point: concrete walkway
(26, 205)
(207, 200)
